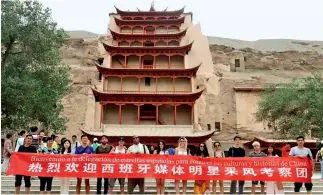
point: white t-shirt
(20, 142)
(139, 148)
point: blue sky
(238, 19)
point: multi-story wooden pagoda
(147, 86)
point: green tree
(33, 78)
(294, 108)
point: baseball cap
(95, 139)
(122, 139)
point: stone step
(116, 188)
(147, 182)
(148, 192)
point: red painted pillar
(174, 84)
(140, 63)
(156, 84)
(125, 62)
(154, 65)
(168, 62)
(175, 114)
(138, 114)
(120, 114)
(121, 83)
(156, 114)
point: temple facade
(147, 78)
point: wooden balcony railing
(147, 92)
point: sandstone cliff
(218, 101)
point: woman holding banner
(273, 187)
(218, 153)
(202, 186)
(161, 150)
(181, 150)
(65, 181)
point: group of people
(37, 142)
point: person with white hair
(319, 158)
(257, 153)
(181, 150)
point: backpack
(143, 145)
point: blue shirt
(171, 151)
(81, 150)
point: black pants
(99, 185)
(133, 182)
(19, 179)
(46, 182)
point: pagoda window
(148, 44)
(125, 29)
(150, 18)
(135, 44)
(149, 30)
(133, 61)
(138, 18)
(161, 44)
(177, 62)
(183, 84)
(209, 127)
(183, 115)
(173, 43)
(147, 81)
(172, 29)
(138, 30)
(118, 61)
(123, 44)
(162, 62)
(148, 62)
(161, 29)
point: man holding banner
(301, 152)
(28, 148)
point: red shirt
(285, 151)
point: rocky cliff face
(217, 103)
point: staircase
(8, 182)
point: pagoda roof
(146, 97)
(122, 36)
(145, 22)
(150, 134)
(147, 72)
(152, 12)
(114, 50)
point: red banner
(157, 166)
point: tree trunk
(6, 53)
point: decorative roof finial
(152, 6)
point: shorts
(298, 186)
(112, 181)
(256, 183)
(19, 179)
